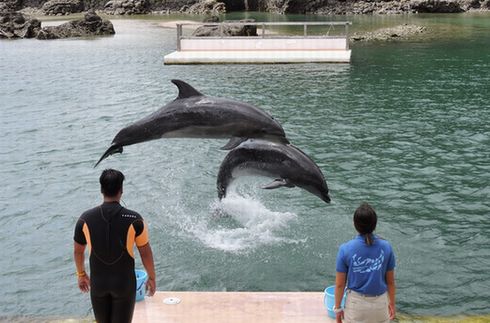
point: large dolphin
(288, 165)
(194, 115)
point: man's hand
(147, 259)
(392, 311)
(151, 286)
(84, 283)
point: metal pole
(263, 30)
(179, 36)
(305, 30)
(347, 36)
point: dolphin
(285, 163)
(194, 115)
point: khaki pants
(366, 309)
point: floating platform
(266, 48)
(232, 307)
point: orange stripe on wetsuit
(141, 240)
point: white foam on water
(255, 225)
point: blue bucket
(329, 300)
(141, 278)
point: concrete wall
(245, 44)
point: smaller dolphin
(194, 115)
(287, 164)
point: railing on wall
(266, 26)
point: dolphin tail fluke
(112, 150)
(233, 143)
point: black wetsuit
(111, 231)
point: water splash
(241, 223)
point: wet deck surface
(233, 307)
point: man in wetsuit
(110, 231)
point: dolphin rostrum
(194, 115)
(287, 164)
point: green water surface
(405, 127)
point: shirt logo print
(367, 265)
(128, 216)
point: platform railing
(264, 34)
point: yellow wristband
(81, 274)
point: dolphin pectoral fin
(185, 90)
(233, 143)
(112, 150)
(280, 182)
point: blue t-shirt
(366, 266)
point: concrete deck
(233, 307)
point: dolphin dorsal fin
(185, 90)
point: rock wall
(374, 6)
(286, 6)
(357, 6)
(205, 7)
(127, 7)
(62, 7)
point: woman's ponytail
(368, 238)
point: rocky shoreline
(216, 7)
(17, 25)
(17, 21)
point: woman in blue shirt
(367, 264)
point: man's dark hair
(365, 220)
(111, 182)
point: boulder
(91, 25)
(127, 7)
(205, 7)
(62, 7)
(213, 19)
(226, 29)
(16, 25)
(393, 33)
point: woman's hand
(339, 316)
